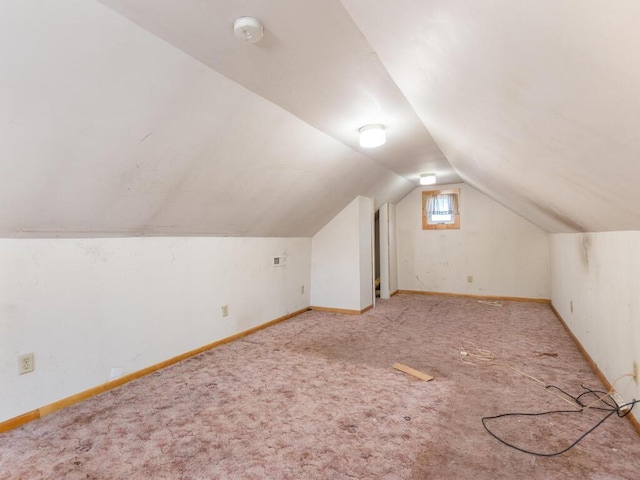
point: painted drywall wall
(388, 251)
(366, 215)
(341, 259)
(154, 142)
(383, 241)
(313, 62)
(596, 289)
(393, 250)
(84, 306)
(504, 254)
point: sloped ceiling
(140, 117)
(535, 103)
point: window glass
(440, 209)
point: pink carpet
(315, 397)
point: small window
(440, 209)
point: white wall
(341, 259)
(383, 242)
(596, 290)
(505, 254)
(366, 251)
(388, 251)
(393, 250)
(153, 141)
(84, 306)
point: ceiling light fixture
(248, 29)
(428, 179)
(372, 136)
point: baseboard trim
(479, 297)
(395, 292)
(19, 420)
(366, 309)
(92, 392)
(343, 311)
(592, 364)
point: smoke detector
(248, 29)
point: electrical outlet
(302, 289)
(470, 279)
(225, 310)
(26, 363)
(571, 305)
(635, 373)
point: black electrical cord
(600, 396)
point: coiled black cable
(601, 397)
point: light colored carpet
(316, 398)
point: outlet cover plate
(26, 363)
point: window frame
(426, 194)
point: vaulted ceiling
(141, 117)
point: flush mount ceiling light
(248, 29)
(372, 136)
(428, 179)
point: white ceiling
(313, 61)
(535, 103)
(141, 117)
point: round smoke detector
(248, 29)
